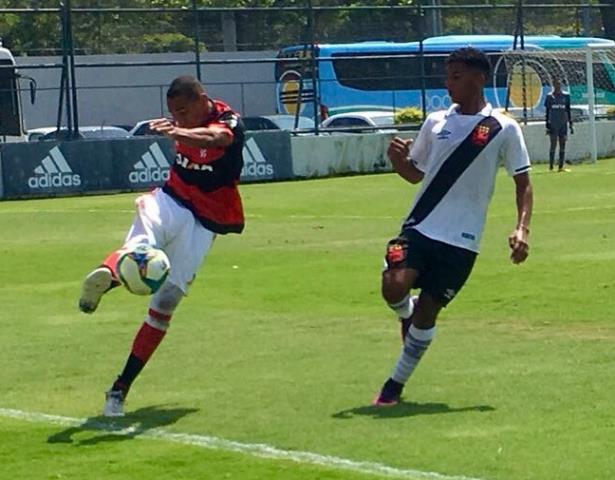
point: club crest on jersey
(395, 253)
(480, 135)
(185, 162)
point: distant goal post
(587, 74)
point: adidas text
(146, 176)
(257, 169)
(57, 180)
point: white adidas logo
(54, 171)
(153, 167)
(255, 163)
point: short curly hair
(471, 57)
(185, 86)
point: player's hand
(571, 129)
(398, 151)
(163, 126)
(518, 243)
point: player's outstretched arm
(398, 152)
(518, 240)
(201, 137)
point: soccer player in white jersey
(456, 157)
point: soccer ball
(143, 269)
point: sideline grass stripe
(216, 443)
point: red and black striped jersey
(205, 180)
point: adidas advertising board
(39, 169)
(45, 169)
(152, 168)
(53, 172)
(266, 156)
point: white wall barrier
(341, 154)
(578, 145)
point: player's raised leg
(144, 229)
(397, 280)
(98, 282)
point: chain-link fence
(98, 30)
(133, 50)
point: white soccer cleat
(94, 286)
(114, 404)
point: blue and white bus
(387, 75)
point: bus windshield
(11, 124)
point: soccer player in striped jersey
(456, 156)
(558, 118)
(199, 201)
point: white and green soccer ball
(143, 269)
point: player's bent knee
(167, 298)
(394, 286)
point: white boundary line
(215, 443)
(303, 217)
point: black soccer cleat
(389, 395)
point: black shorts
(443, 269)
(559, 131)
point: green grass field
(284, 341)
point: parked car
(35, 134)
(370, 120)
(277, 122)
(85, 133)
(142, 129)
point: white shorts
(165, 224)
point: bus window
(378, 73)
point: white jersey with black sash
(460, 155)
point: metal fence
(72, 31)
(104, 30)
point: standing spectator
(558, 117)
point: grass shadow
(122, 428)
(408, 409)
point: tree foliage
(269, 28)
